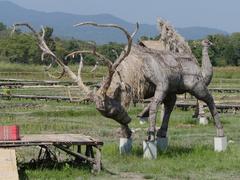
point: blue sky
(222, 14)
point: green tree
(48, 38)
(111, 50)
(235, 41)
(2, 27)
(20, 48)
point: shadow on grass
(225, 121)
(173, 151)
(51, 165)
(191, 121)
(65, 113)
(137, 151)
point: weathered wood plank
(22, 82)
(60, 141)
(8, 165)
(51, 139)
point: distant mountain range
(63, 24)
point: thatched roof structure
(153, 44)
(170, 39)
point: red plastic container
(9, 133)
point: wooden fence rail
(183, 105)
(18, 83)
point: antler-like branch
(100, 56)
(94, 48)
(129, 37)
(112, 67)
(41, 42)
(93, 44)
(115, 53)
(80, 66)
(47, 52)
(94, 68)
(47, 68)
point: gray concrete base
(203, 120)
(162, 143)
(220, 144)
(150, 149)
(125, 145)
(143, 120)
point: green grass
(190, 154)
(36, 72)
(226, 77)
(230, 72)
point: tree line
(21, 47)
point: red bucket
(9, 133)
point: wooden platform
(62, 142)
(8, 166)
(52, 139)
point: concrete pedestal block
(203, 120)
(220, 144)
(150, 149)
(125, 145)
(162, 143)
(143, 120)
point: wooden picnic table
(64, 143)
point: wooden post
(69, 93)
(89, 151)
(79, 149)
(98, 165)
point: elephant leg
(169, 103)
(203, 94)
(126, 131)
(158, 99)
(145, 112)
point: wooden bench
(64, 143)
